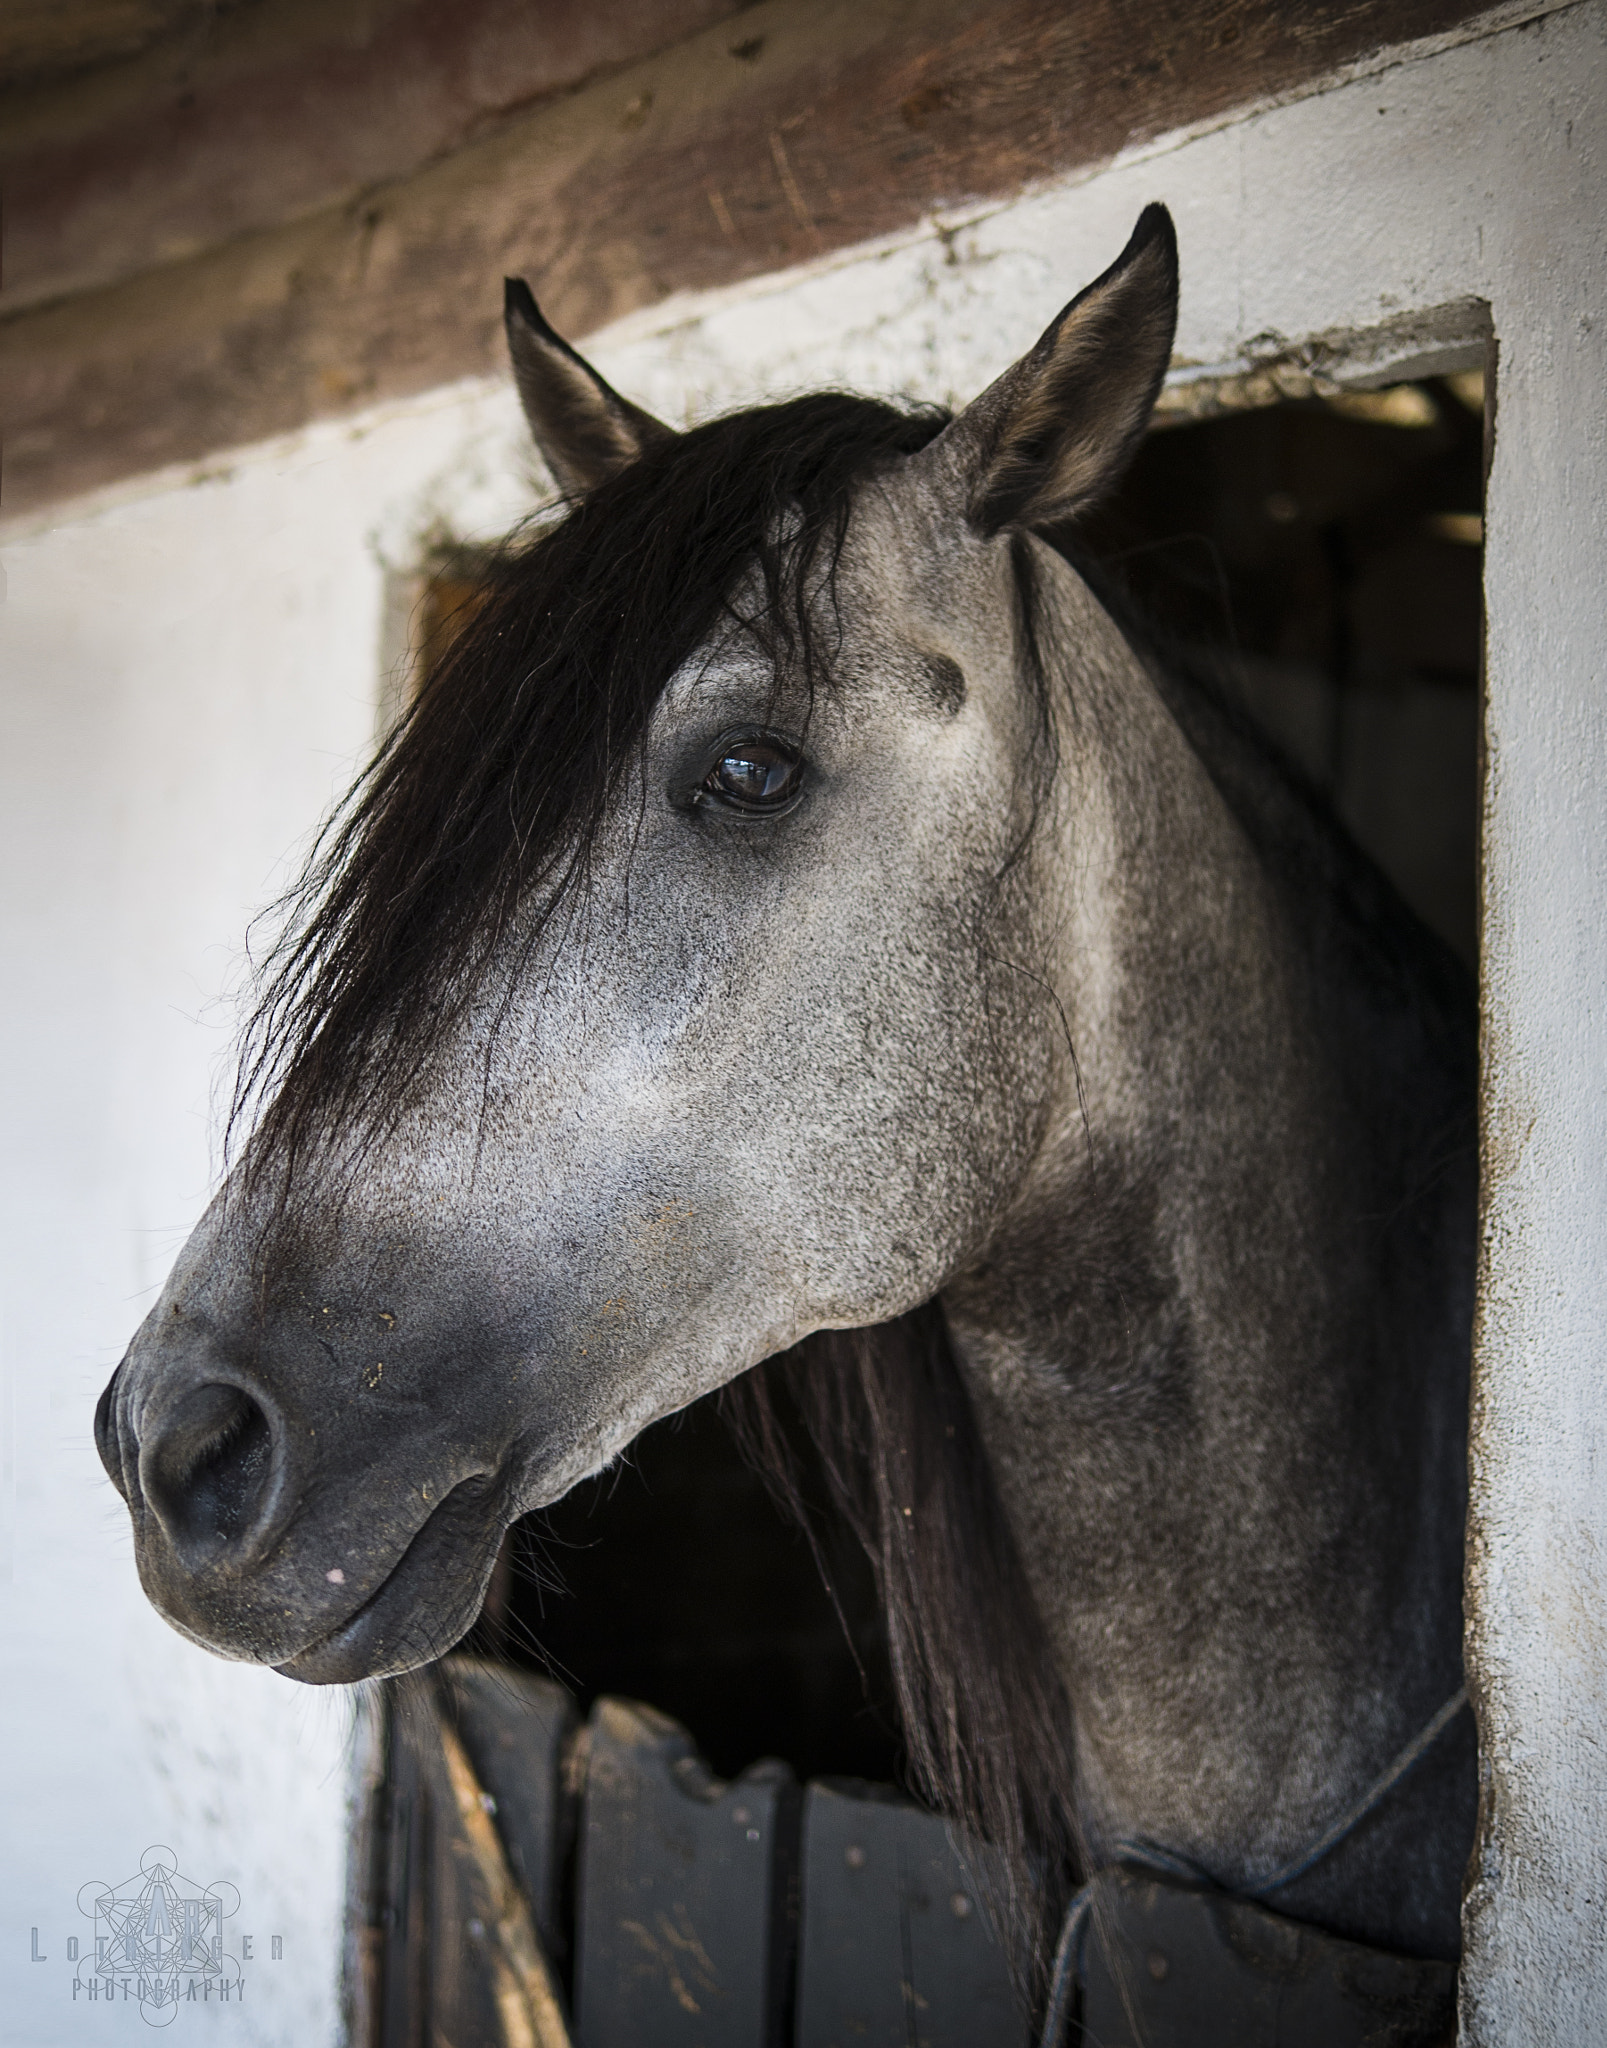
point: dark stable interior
(1328, 554)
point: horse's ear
(1055, 432)
(586, 432)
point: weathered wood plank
(458, 1956)
(1174, 1965)
(895, 1943)
(683, 1923)
(831, 123)
(515, 1729)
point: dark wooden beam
(51, 39)
(823, 123)
(279, 109)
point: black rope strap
(1168, 1863)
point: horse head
(680, 980)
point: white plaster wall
(185, 681)
(190, 668)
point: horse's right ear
(1054, 433)
(585, 431)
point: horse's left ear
(1055, 432)
(586, 432)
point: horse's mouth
(426, 1603)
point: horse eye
(754, 775)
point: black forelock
(486, 798)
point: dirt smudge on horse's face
(772, 1074)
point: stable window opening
(1323, 556)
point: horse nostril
(206, 1472)
(107, 1440)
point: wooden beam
(825, 123)
(42, 39)
(278, 110)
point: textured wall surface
(178, 689)
(191, 666)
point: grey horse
(798, 909)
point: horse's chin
(422, 1608)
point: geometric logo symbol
(159, 1940)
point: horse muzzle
(422, 1607)
(254, 1544)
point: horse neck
(1217, 1346)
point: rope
(1168, 1863)
(1375, 1795)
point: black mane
(484, 802)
